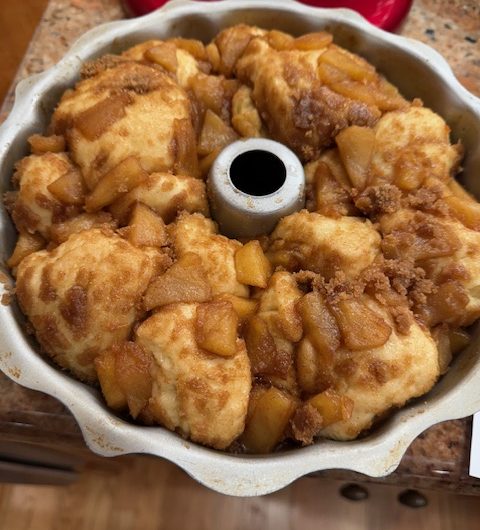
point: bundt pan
(418, 71)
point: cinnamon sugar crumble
(379, 200)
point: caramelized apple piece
(459, 191)
(268, 421)
(184, 147)
(125, 176)
(370, 94)
(216, 134)
(335, 164)
(445, 305)
(206, 162)
(60, 232)
(26, 244)
(329, 74)
(214, 93)
(69, 188)
(261, 348)
(231, 44)
(216, 328)
(132, 370)
(449, 342)
(245, 117)
(244, 307)
(312, 41)
(105, 364)
(387, 96)
(314, 370)
(256, 393)
(307, 366)
(46, 144)
(441, 336)
(184, 281)
(213, 56)
(355, 145)
(165, 55)
(192, 46)
(252, 266)
(361, 328)
(352, 65)
(332, 406)
(421, 241)
(466, 211)
(330, 198)
(355, 90)
(459, 340)
(93, 122)
(146, 228)
(319, 325)
(279, 40)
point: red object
(386, 14)
(142, 7)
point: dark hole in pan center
(258, 173)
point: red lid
(386, 14)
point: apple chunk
(69, 188)
(125, 176)
(216, 328)
(106, 372)
(332, 406)
(355, 145)
(268, 420)
(146, 228)
(360, 326)
(26, 244)
(319, 325)
(184, 281)
(252, 266)
(244, 307)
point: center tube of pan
(252, 184)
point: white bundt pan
(418, 71)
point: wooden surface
(144, 493)
(18, 20)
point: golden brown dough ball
(311, 241)
(203, 395)
(127, 110)
(83, 296)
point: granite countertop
(436, 459)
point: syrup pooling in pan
(344, 312)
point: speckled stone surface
(452, 27)
(436, 459)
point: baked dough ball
(197, 234)
(184, 65)
(311, 241)
(129, 109)
(167, 195)
(35, 208)
(83, 296)
(406, 366)
(298, 110)
(200, 394)
(411, 145)
(449, 253)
